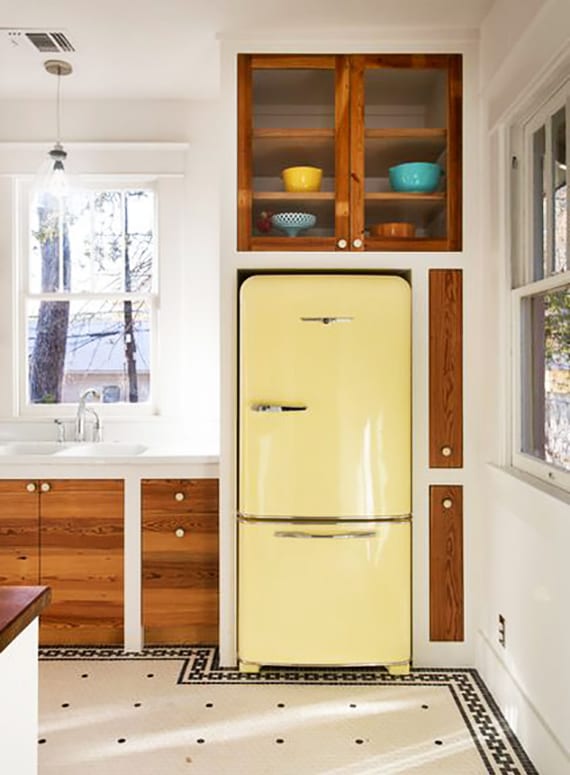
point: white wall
(173, 139)
(524, 568)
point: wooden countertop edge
(19, 606)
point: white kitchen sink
(30, 448)
(100, 449)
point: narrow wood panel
(408, 61)
(293, 61)
(19, 533)
(342, 148)
(293, 243)
(445, 368)
(413, 133)
(82, 542)
(357, 171)
(180, 572)
(455, 153)
(446, 563)
(293, 133)
(245, 125)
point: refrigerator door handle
(277, 408)
(302, 534)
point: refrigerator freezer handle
(277, 408)
(301, 534)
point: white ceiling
(168, 49)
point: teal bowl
(420, 177)
(293, 223)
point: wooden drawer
(180, 560)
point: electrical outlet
(502, 630)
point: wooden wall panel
(180, 572)
(446, 563)
(81, 534)
(19, 532)
(445, 368)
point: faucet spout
(82, 411)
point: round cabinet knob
(179, 532)
(45, 486)
(179, 496)
(31, 487)
(447, 503)
(341, 243)
(446, 451)
(357, 243)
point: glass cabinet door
(292, 115)
(406, 161)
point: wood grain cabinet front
(180, 561)
(352, 116)
(68, 535)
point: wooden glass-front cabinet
(354, 117)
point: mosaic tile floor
(173, 710)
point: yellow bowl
(302, 178)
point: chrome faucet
(82, 411)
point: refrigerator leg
(402, 669)
(249, 667)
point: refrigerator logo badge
(327, 320)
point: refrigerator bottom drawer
(314, 594)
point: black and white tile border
(500, 751)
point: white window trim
(24, 410)
(523, 268)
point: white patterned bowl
(293, 223)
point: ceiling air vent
(50, 42)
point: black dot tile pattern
(498, 747)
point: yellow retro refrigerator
(324, 485)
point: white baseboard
(545, 749)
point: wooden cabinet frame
(349, 137)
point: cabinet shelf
(276, 149)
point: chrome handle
(300, 534)
(327, 320)
(277, 408)
(357, 243)
(342, 243)
(45, 486)
(179, 496)
(31, 487)
(179, 532)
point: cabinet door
(405, 108)
(180, 560)
(292, 112)
(82, 561)
(19, 532)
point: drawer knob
(447, 503)
(45, 486)
(31, 487)
(179, 496)
(446, 451)
(357, 243)
(342, 243)
(179, 532)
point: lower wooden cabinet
(180, 561)
(67, 534)
(81, 538)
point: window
(88, 303)
(541, 302)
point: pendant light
(52, 178)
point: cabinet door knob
(446, 451)
(447, 503)
(179, 532)
(45, 486)
(356, 243)
(31, 486)
(179, 496)
(341, 243)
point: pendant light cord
(58, 121)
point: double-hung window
(88, 296)
(541, 296)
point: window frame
(524, 286)
(23, 295)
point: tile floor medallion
(174, 710)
